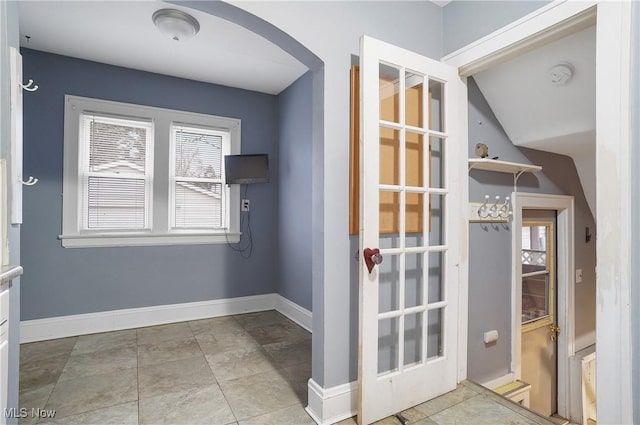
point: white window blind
(198, 185)
(116, 172)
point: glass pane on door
(436, 277)
(537, 273)
(388, 345)
(436, 162)
(435, 334)
(413, 339)
(413, 280)
(436, 94)
(389, 82)
(389, 284)
(414, 110)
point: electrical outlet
(245, 205)
(578, 275)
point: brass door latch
(554, 330)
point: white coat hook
(29, 182)
(494, 208)
(29, 86)
(490, 211)
(483, 210)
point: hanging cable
(245, 249)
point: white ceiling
(539, 115)
(122, 33)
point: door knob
(553, 331)
(372, 257)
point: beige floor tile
(215, 344)
(237, 364)
(35, 352)
(100, 362)
(479, 411)
(203, 405)
(121, 414)
(425, 421)
(348, 421)
(105, 341)
(258, 394)
(35, 398)
(168, 350)
(298, 378)
(290, 354)
(278, 333)
(413, 415)
(216, 325)
(156, 334)
(292, 415)
(261, 318)
(39, 373)
(445, 401)
(392, 420)
(82, 395)
(179, 375)
(515, 407)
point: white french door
(412, 160)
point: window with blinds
(138, 175)
(198, 199)
(115, 172)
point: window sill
(148, 239)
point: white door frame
(613, 142)
(565, 253)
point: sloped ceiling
(540, 115)
(122, 33)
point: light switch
(578, 275)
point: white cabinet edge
(16, 135)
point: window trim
(160, 231)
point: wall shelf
(515, 168)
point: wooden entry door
(539, 318)
(410, 216)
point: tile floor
(249, 369)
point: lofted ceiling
(537, 114)
(121, 33)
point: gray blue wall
(61, 281)
(490, 246)
(9, 38)
(294, 191)
(466, 21)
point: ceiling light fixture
(176, 24)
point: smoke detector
(560, 74)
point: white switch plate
(578, 275)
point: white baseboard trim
(498, 382)
(330, 405)
(106, 321)
(293, 311)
